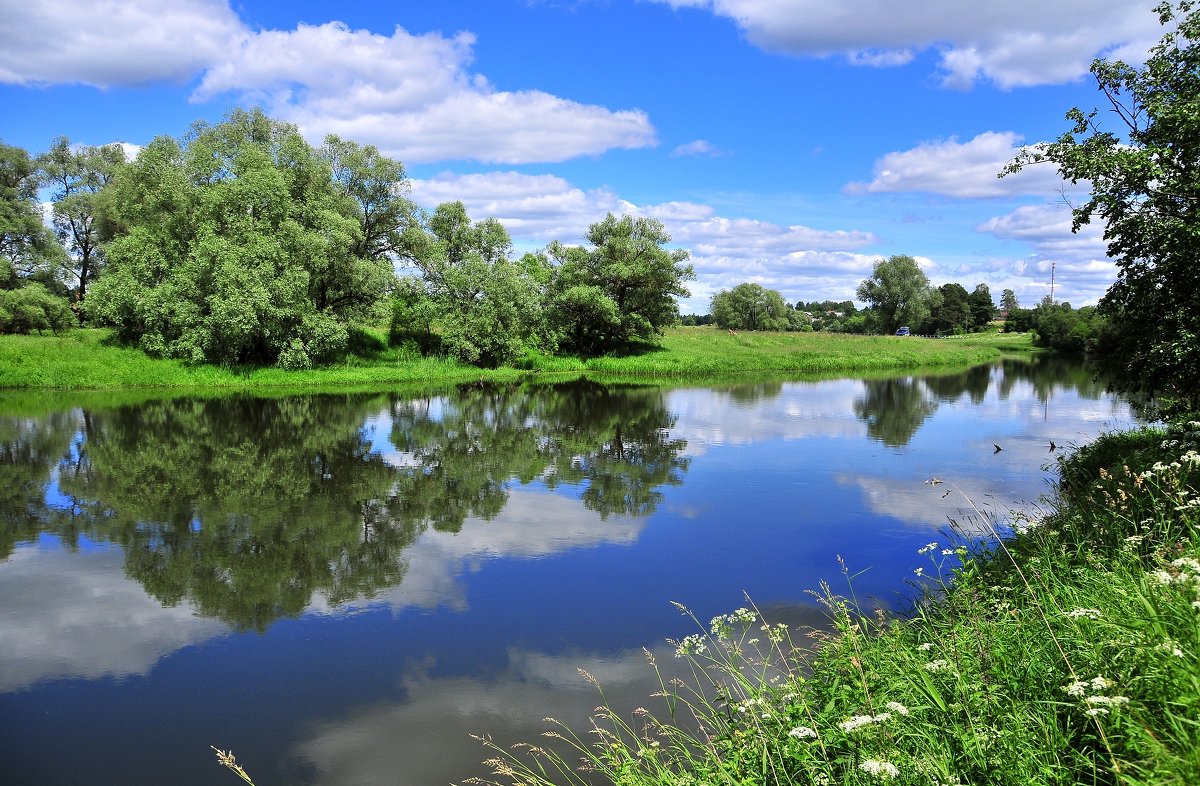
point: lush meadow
(1064, 653)
(88, 359)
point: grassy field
(85, 359)
(1066, 653)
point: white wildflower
(926, 647)
(691, 645)
(858, 721)
(1171, 646)
(928, 547)
(802, 733)
(1186, 564)
(1106, 701)
(1162, 578)
(881, 769)
(1092, 614)
(938, 665)
(897, 707)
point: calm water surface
(342, 588)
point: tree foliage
(981, 306)
(31, 308)
(621, 288)
(239, 244)
(950, 310)
(1145, 189)
(27, 247)
(751, 307)
(898, 292)
(1008, 300)
(489, 307)
(78, 176)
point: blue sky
(786, 142)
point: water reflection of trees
(895, 409)
(247, 507)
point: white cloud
(800, 261)
(414, 97)
(699, 147)
(107, 44)
(536, 208)
(1048, 228)
(1012, 44)
(1081, 269)
(411, 95)
(962, 169)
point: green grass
(1067, 653)
(87, 359)
(689, 351)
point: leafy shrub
(33, 308)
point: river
(342, 589)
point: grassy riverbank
(85, 359)
(1068, 653)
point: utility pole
(1052, 266)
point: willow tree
(622, 287)
(242, 243)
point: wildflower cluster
(723, 626)
(1095, 702)
(1183, 573)
(880, 769)
(858, 721)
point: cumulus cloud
(1078, 261)
(537, 208)
(798, 260)
(1013, 44)
(107, 44)
(414, 97)
(961, 169)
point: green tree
(1145, 190)
(28, 250)
(78, 176)
(489, 307)
(388, 219)
(621, 288)
(982, 307)
(898, 292)
(750, 307)
(1008, 300)
(237, 245)
(950, 312)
